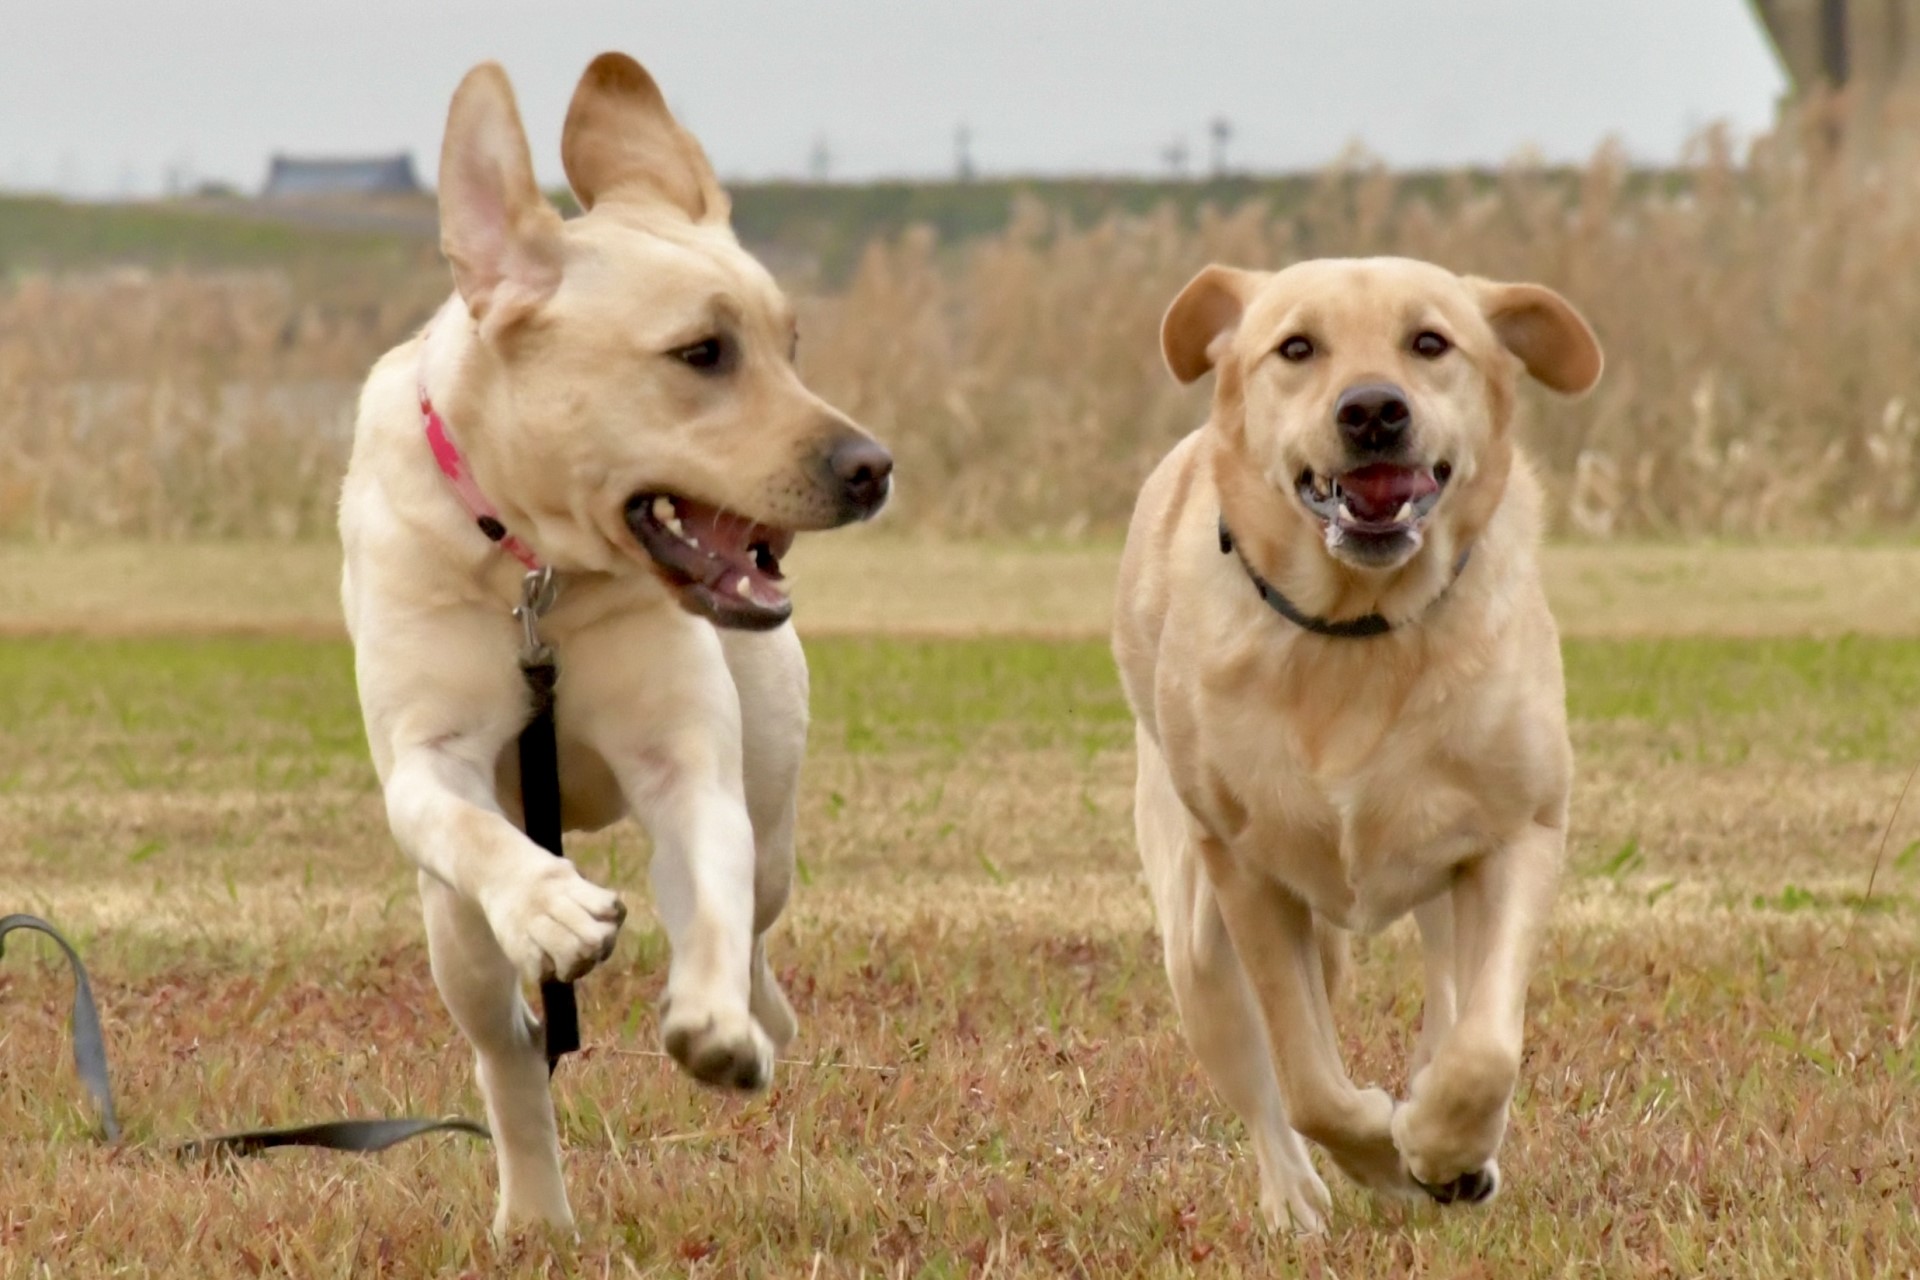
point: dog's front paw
(554, 922)
(1451, 1126)
(1476, 1187)
(726, 1048)
(1452, 1163)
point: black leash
(1361, 628)
(540, 790)
(90, 1061)
(89, 1046)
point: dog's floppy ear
(498, 232)
(621, 143)
(1208, 309)
(1552, 340)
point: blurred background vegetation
(188, 367)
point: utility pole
(1222, 133)
(819, 160)
(963, 170)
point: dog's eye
(1429, 345)
(708, 355)
(1297, 348)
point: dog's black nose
(1373, 417)
(864, 470)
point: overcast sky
(104, 97)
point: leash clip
(537, 592)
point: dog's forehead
(1356, 296)
(680, 266)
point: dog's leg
(499, 910)
(703, 887)
(1435, 918)
(549, 920)
(1218, 1016)
(482, 991)
(1281, 958)
(1223, 1025)
(1456, 1113)
(669, 728)
(770, 673)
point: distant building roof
(358, 175)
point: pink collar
(454, 467)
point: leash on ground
(90, 1061)
(540, 800)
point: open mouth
(1376, 508)
(725, 567)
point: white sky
(102, 97)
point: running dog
(1348, 700)
(613, 399)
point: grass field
(1723, 1058)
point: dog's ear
(1552, 340)
(498, 232)
(1207, 312)
(621, 143)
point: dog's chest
(1361, 811)
(590, 795)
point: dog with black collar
(1349, 702)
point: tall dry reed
(180, 405)
(1761, 315)
(1761, 321)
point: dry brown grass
(876, 581)
(1724, 1043)
(1762, 327)
(1763, 346)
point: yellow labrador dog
(1348, 698)
(614, 399)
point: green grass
(1849, 699)
(1722, 1049)
(40, 233)
(828, 224)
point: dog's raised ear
(1207, 311)
(1552, 339)
(621, 143)
(498, 232)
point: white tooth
(1405, 514)
(673, 523)
(663, 511)
(744, 588)
(1346, 513)
(692, 541)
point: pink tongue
(1377, 492)
(717, 530)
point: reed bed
(1761, 313)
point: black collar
(1361, 628)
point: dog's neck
(1364, 627)
(460, 379)
(459, 474)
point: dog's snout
(863, 470)
(1373, 417)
